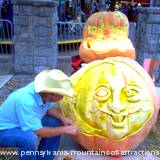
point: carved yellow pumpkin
(115, 104)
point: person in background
(32, 112)
(78, 13)
(94, 7)
(130, 12)
(69, 14)
(124, 8)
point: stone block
(38, 69)
(47, 11)
(26, 60)
(42, 21)
(146, 28)
(18, 29)
(16, 19)
(40, 61)
(24, 40)
(154, 18)
(27, 69)
(25, 10)
(42, 42)
(42, 11)
(55, 29)
(55, 59)
(149, 38)
(145, 18)
(23, 50)
(49, 61)
(43, 51)
(156, 29)
(16, 9)
(17, 68)
(23, 20)
(42, 31)
(51, 21)
(23, 68)
(152, 47)
(149, 10)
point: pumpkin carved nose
(117, 107)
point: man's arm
(69, 127)
(56, 112)
(50, 132)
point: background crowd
(69, 10)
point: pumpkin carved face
(113, 104)
(104, 24)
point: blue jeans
(26, 141)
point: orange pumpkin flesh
(110, 48)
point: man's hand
(72, 130)
(66, 121)
(50, 132)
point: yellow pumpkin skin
(115, 104)
(104, 24)
(94, 49)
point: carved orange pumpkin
(106, 35)
(115, 104)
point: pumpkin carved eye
(132, 93)
(102, 93)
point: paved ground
(4, 79)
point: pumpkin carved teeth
(118, 121)
(118, 118)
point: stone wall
(35, 35)
(148, 33)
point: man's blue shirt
(23, 108)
